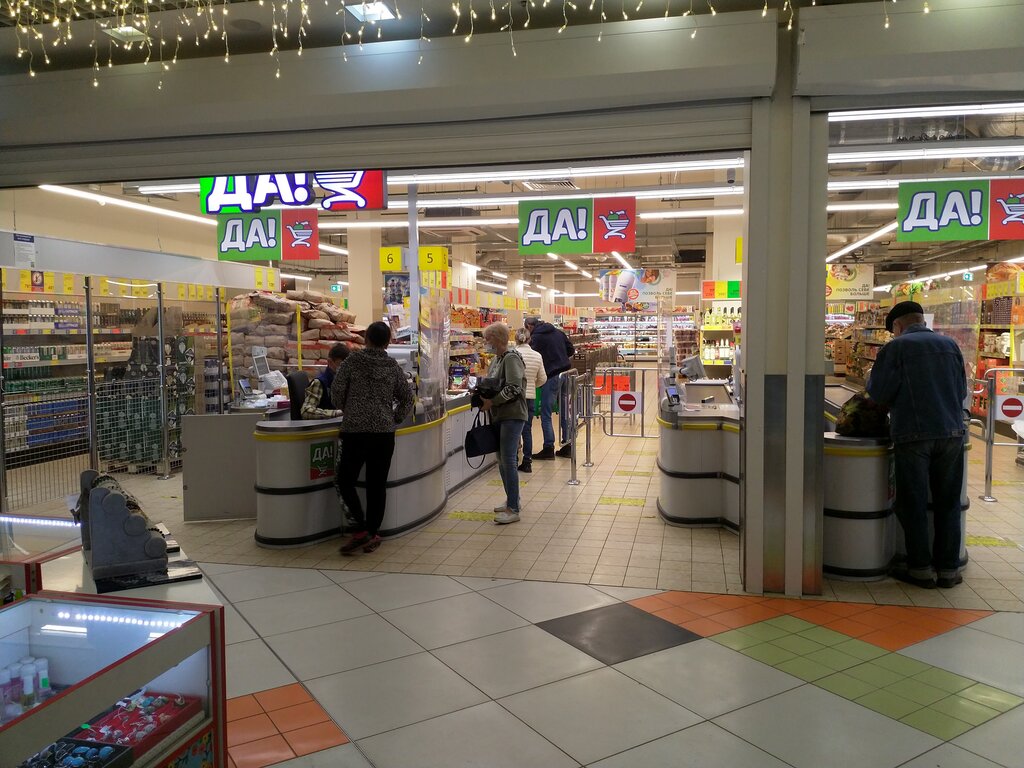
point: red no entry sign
(627, 402)
(1012, 408)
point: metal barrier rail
(990, 423)
(609, 424)
(576, 405)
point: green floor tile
(735, 639)
(888, 704)
(902, 665)
(937, 724)
(833, 659)
(801, 646)
(825, 636)
(965, 709)
(991, 697)
(947, 681)
(764, 631)
(845, 686)
(769, 654)
(790, 623)
(860, 649)
(873, 674)
(915, 690)
(804, 668)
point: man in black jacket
(556, 350)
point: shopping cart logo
(352, 190)
(617, 222)
(1013, 208)
(301, 234)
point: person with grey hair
(920, 377)
(535, 379)
(508, 414)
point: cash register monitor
(259, 362)
(244, 388)
(692, 368)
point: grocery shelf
(49, 363)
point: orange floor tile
(276, 725)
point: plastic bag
(861, 416)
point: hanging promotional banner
(567, 227)
(341, 191)
(268, 236)
(849, 282)
(961, 210)
(637, 289)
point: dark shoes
(917, 581)
(547, 454)
(948, 582)
(565, 451)
(356, 542)
(372, 544)
(526, 467)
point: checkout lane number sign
(321, 460)
(627, 402)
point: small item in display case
(80, 754)
(143, 721)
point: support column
(365, 280)
(783, 342)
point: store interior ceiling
(250, 23)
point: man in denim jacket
(920, 376)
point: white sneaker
(499, 510)
(505, 517)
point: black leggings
(374, 449)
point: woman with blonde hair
(535, 379)
(508, 414)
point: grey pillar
(783, 342)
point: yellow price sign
(25, 281)
(49, 282)
(3, 278)
(181, 291)
(272, 279)
(104, 286)
(260, 276)
(69, 284)
(208, 290)
(191, 292)
(140, 289)
(721, 289)
(392, 259)
(433, 258)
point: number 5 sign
(392, 259)
(433, 258)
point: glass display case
(25, 544)
(99, 681)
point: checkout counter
(699, 457)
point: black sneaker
(526, 467)
(917, 581)
(565, 451)
(372, 544)
(547, 454)
(356, 542)
(948, 582)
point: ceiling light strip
(129, 204)
(696, 213)
(538, 174)
(863, 241)
(860, 115)
(944, 151)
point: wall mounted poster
(637, 289)
(849, 282)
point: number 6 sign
(392, 259)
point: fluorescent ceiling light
(63, 630)
(553, 256)
(488, 201)
(524, 282)
(563, 172)
(586, 274)
(492, 285)
(570, 265)
(882, 288)
(169, 189)
(502, 275)
(863, 241)
(581, 295)
(856, 115)
(126, 34)
(372, 12)
(877, 205)
(687, 293)
(333, 249)
(40, 521)
(290, 276)
(473, 267)
(398, 223)
(597, 280)
(340, 282)
(947, 150)
(122, 203)
(543, 288)
(621, 260)
(699, 213)
(533, 295)
(1018, 260)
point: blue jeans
(920, 466)
(528, 432)
(548, 395)
(509, 434)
